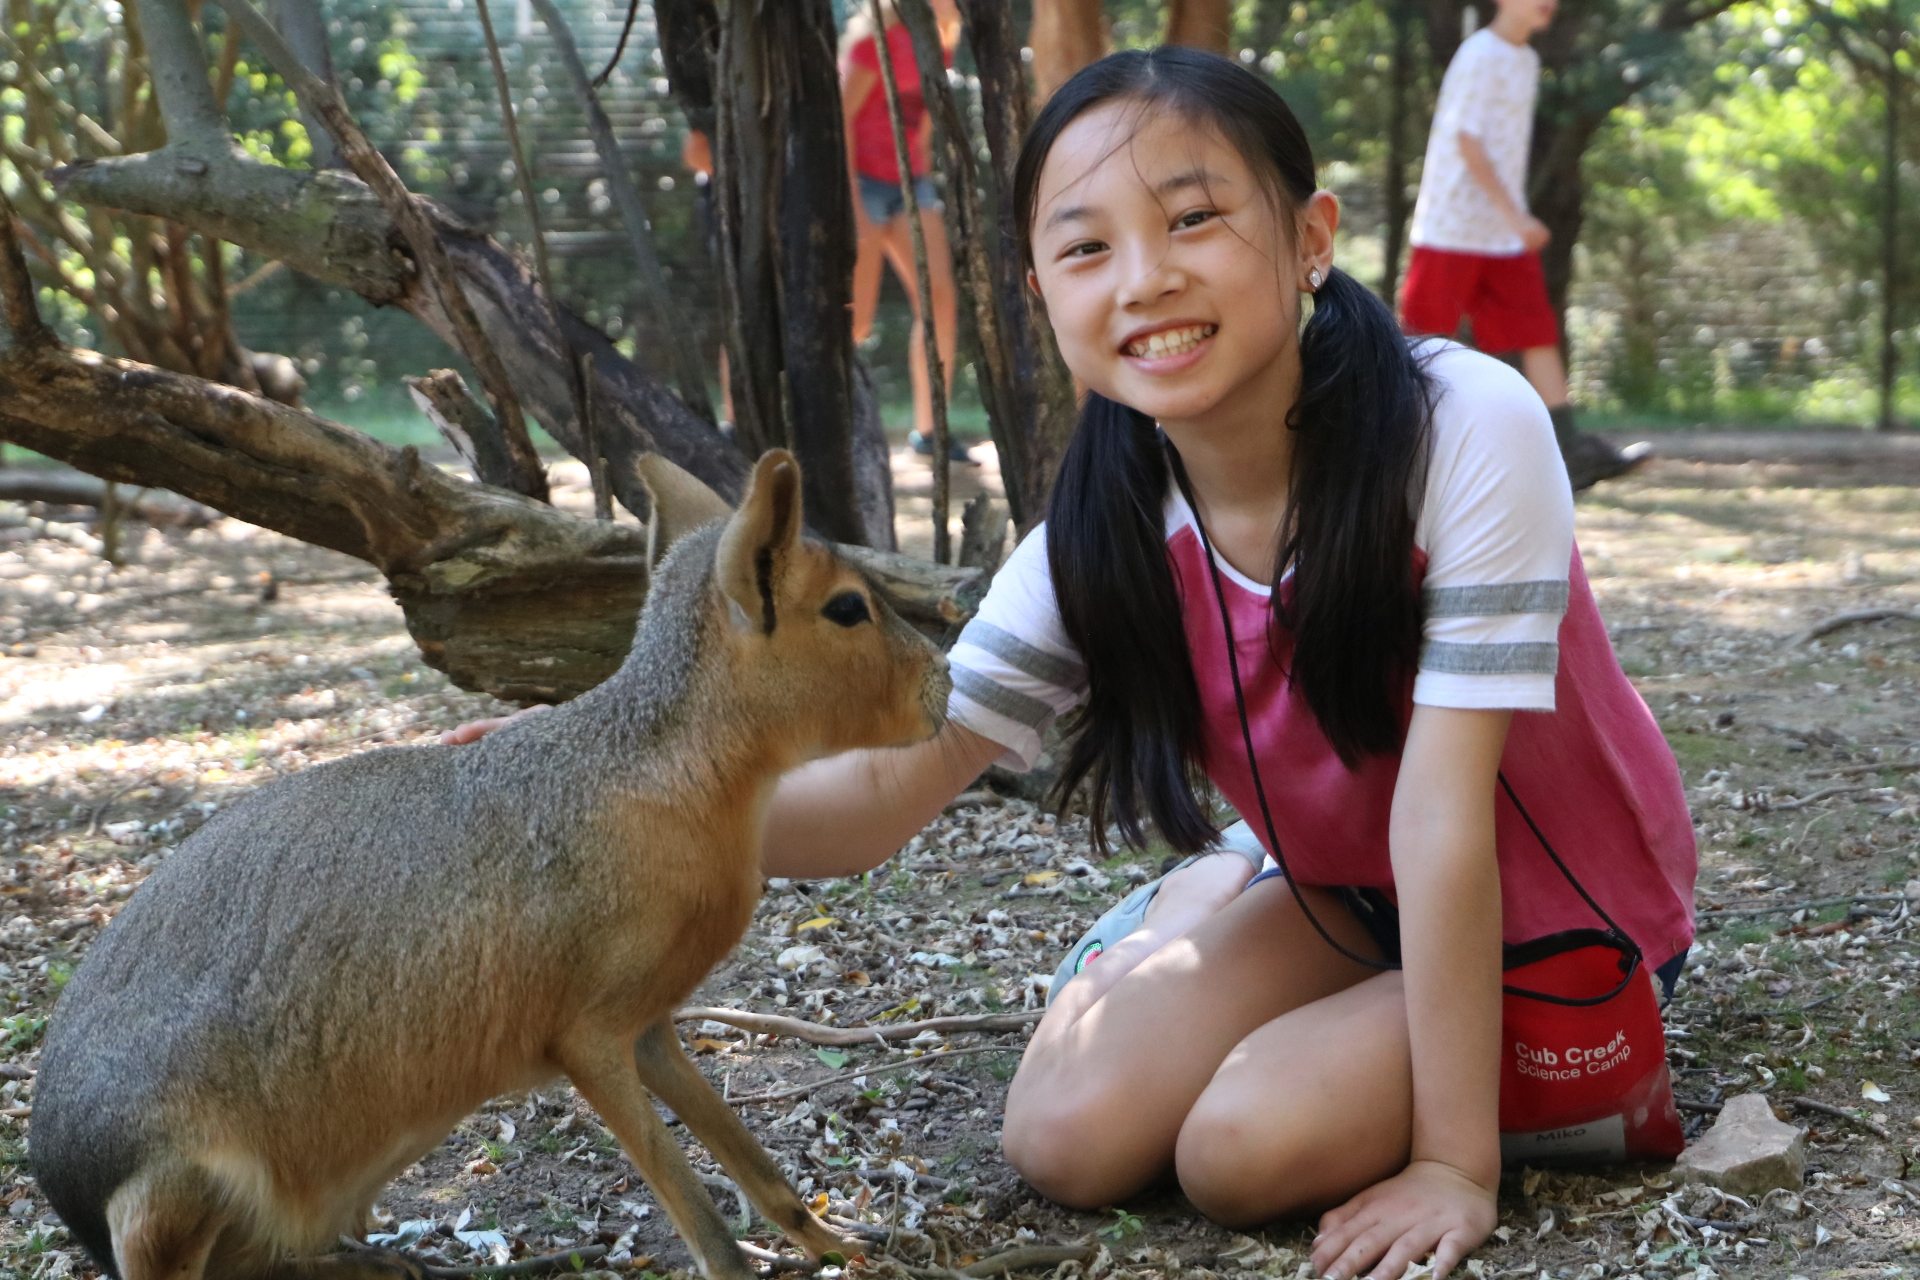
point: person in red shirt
(879, 207)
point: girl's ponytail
(1361, 429)
(1137, 737)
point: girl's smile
(1168, 349)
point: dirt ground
(136, 702)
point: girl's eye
(1085, 248)
(1196, 217)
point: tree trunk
(786, 231)
(1201, 24)
(1398, 209)
(1065, 36)
(1025, 389)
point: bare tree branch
(325, 101)
(689, 379)
(177, 65)
(23, 326)
(305, 30)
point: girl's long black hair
(1361, 428)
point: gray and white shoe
(1125, 916)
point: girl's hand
(474, 730)
(1428, 1207)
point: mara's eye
(849, 609)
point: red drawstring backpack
(1583, 1056)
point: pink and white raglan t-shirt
(1509, 623)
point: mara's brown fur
(318, 985)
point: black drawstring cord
(1629, 949)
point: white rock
(1748, 1151)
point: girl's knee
(1060, 1145)
(1241, 1168)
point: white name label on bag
(1605, 1139)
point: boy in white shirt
(1476, 248)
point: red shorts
(1505, 297)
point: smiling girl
(1316, 549)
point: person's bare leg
(1547, 372)
(897, 240)
(1113, 1069)
(1305, 1112)
(946, 319)
(1589, 458)
(868, 263)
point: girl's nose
(1151, 275)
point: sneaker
(956, 451)
(1591, 460)
(1128, 914)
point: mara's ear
(682, 502)
(755, 548)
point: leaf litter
(136, 703)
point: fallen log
(76, 489)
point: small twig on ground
(1825, 793)
(1803, 904)
(777, 1263)
(854, 1227)
(1879, 766)
(100, 810)
(565, 1261)
(817, 1033)
(1025, 1256)
(877, 1173)
(1718, 1224)
(1801, 1103)
(1698, 1106)
(801, 1090)
(1828, 625)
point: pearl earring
(1313, 280)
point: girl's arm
(1448, 884)
(1449, 889)
(849, 813)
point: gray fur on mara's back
(327, 977)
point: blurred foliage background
(1730, 270)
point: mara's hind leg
(164, 1221)
(666, 1070)
(602, 1069)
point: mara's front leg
(601, 1067)
(665, 1069)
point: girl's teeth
(1179, 343)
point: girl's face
(1169, 276)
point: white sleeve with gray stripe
(1013, 667)
(1497, 528)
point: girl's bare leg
(1306, 1112)
(1120, 1060)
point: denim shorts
(883, 202)
(1381, 919)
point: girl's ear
(1033, 283)
(1319, 219)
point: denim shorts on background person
(882, 201)
(1381, 919)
